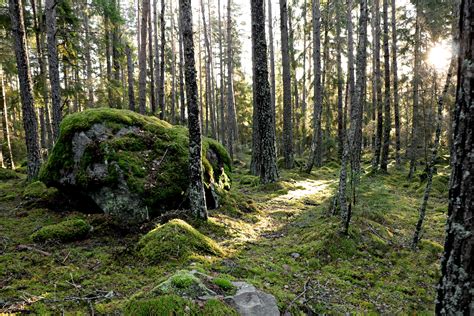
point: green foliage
(214, 307)
(69, 230)
(175, 240)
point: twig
(305, 288)
(31, 248)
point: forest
(236, 157)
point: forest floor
(279, 237)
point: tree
(5, 147)
(287, 111)
(315, 156)
(161, 87)
(387, 115)
(340, 83)
(29, 117)
(396, 101)
(142, 57)
(131, 79)
(377, 88)
(50, 13)
(263, 155)
(455, 294)
(232, 133)
(196, 188)
(271, 52)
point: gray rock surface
(248, 301)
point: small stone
(295, 255)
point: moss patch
(69, 230)
(39, 190)
(7, 174)
(162, 305)
(176, 240)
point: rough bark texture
(315, 156)
(271, 52)
(396, 102)
(303, 98)
(264, 120)
(340, 83)
(161, 88)
(142, 57)
(221, 76)
(432, 164)
(455, 294)
(29, 117)
(181, 75)
(156, 59)
(50, 13)
(131, 79)
(196, 188)
(232, 132)
(150, 61)
(387, 98)
(286, 77)
(378, 88)
(87, 56)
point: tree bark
(340, 83)
(161, 91)
(232, 131)
(221, 76)
(29, 117)
(131, 79)
(271, 51)
(396, 102)
(196, 188)
(387, 113)
(173, 68)
(377, 88)
(142, 57)
(286, 77)
(455, 295)
(150, 60)
(181, 75)
(263, 116)
(315, 156)
(50, 13)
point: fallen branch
(31, 248)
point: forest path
(281, 210)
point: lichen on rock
(130, 166)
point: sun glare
(439, 56)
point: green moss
(183, 280)
(8, 174)
(153, 159)
(166, 305)
(175, 240)
(224, 284)
(214, 307)
(69, 230)
(39, 190)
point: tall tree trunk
(303, 99)
(324, 72)
(156, 59)
(455, 294)
(396, 102)
(340, 83)
(415, 117)
(434, 155)
(181, 75)
(387, 115)
(29, 117)
(161, 91)
(142, 57)
(116, 56)
(87, 56)
(6, 147)
(315, 156)
(150, 59)
(131, 79)
(377, 88)
(173, 68)
(232, 132)
(271, 51)
(196, 188)
(50, 11)
(286, 77)
(264, 119)
(293, 67)
(221, 76)
(107, 61)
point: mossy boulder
(69, 230)
(7, 174)
(185, 284)
(130, 166)
(175, 240)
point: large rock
(248, 301)
(130, 166)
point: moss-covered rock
(129, 165)
(69, 230)
(185, 284)
(175, 240)
(161, 305)
(39, 190)
(7, 174)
